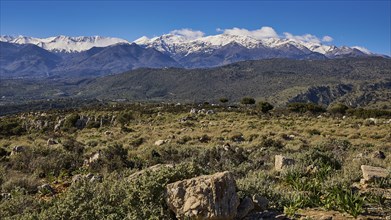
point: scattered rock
(282, 162)
(89, 175)
(51, 141)
(193, 111)
(17, 149)
(160, 142)
(45, 189)
(227, 147)
(96, 178)
(370, 121)
(150, 169)
(326, 217)
(311, 169)
(204, 139)
(370, 173)
(210, 112)
(94, 158)
(4, 196)
(77, 178)
(245, 207)
(260, 203)
(281, 217)
(379, 154)
(204, 197)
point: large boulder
(370, 173)
(204, 197)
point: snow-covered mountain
(177, 45)
(103, 55)
(64, 43)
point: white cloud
(188, 33)
(264, 32)
(327, 38)
(308, 38)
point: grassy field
(328, 149)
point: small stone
(5, 196)
(45, 189)
(379, 154)
(96, 178)
(89, 175)
(326, 217)
(260, 203)
(76, 178)
(17, 149)
(282, 162)
(281, 217)
(51, 141)
(160, 142)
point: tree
(247, 101)
(265, 106)
(223, 100)
(337, 108)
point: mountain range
(62, 56)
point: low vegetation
(91, 158)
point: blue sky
(351, 23)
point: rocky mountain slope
(354, 81)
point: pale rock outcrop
(204, 197)
(370, 173)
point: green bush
(342, 198)
(369, 113)
(265, 107)
(70, 122)
(247, 101)
(120, 197)
(305, 107)
(125, 117)
(337, 108)
(11, 127)
(223, 100)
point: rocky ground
(197, 162)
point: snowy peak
(178, 45)
(64, 43)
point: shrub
(125, 117)
(265, 107)
(337, 108)
(247, 101)
(223, 100)
(369, 113)
(305, 107)
(28, 183)
(70, 121)
(343, 199)
(270, 143)
(119, 197)
(11, 127)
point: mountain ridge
(97, 56)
